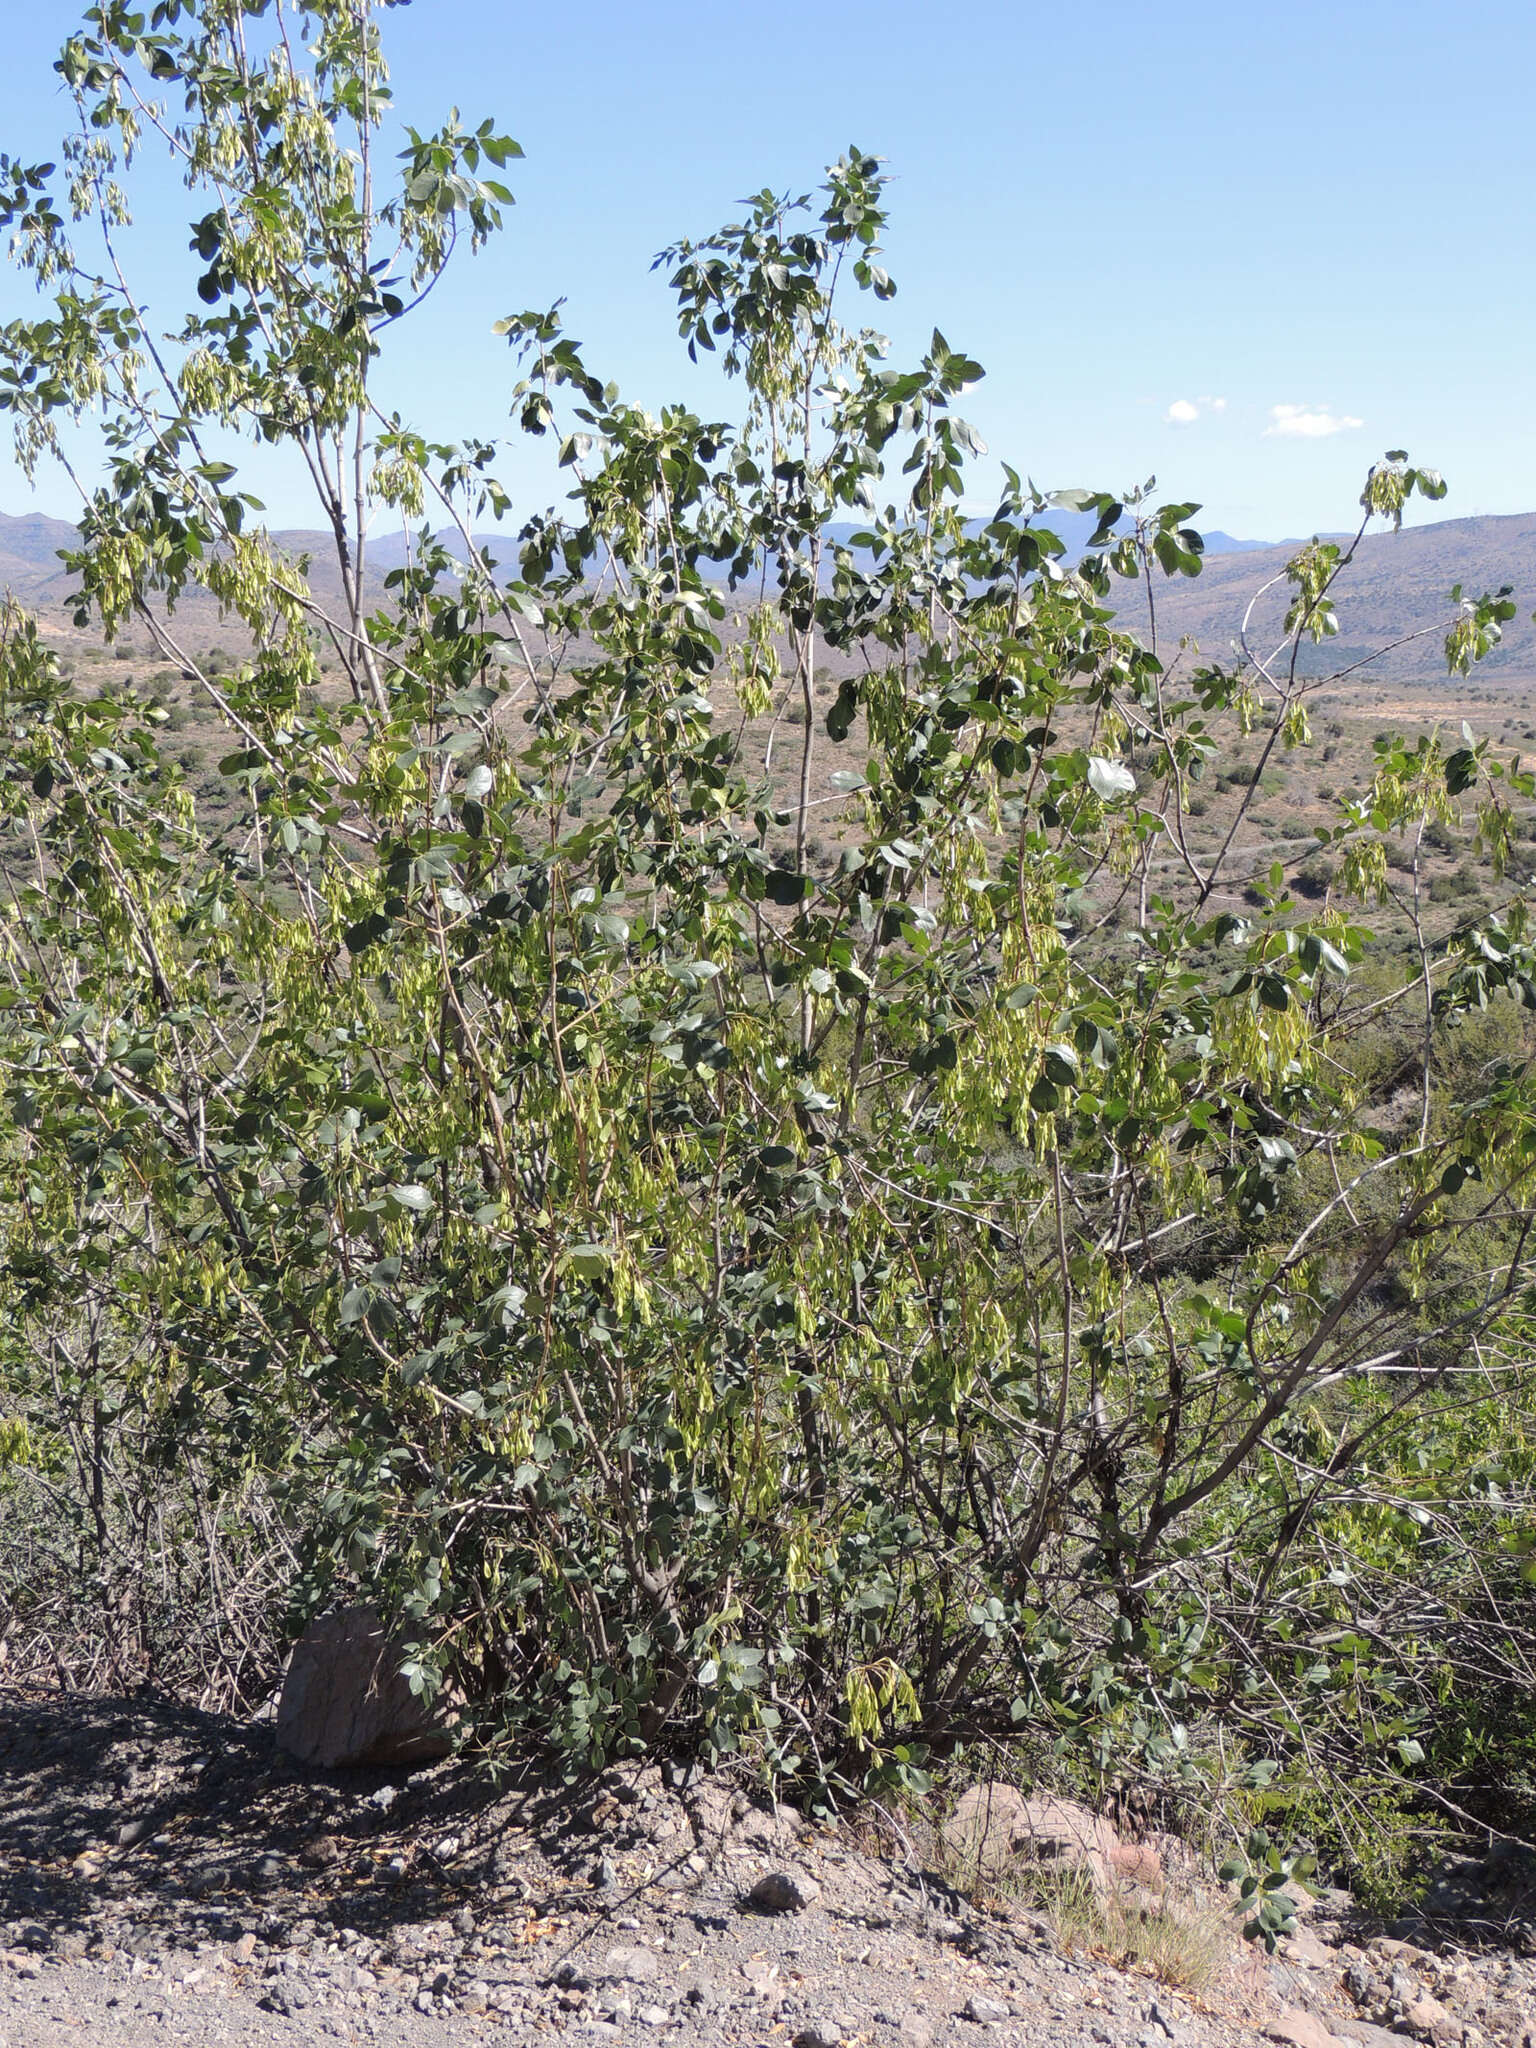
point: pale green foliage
(715, 1299)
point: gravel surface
(166, 1874)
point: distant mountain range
(1075, 529)
(29, 551)
(30, 546)
(1397, 584)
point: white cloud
(1185, 411)
(1307, 422)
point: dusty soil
(166, 1874)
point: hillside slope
(1397, 584)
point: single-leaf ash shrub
(1021, 1277)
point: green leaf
(587, 1261)
(786, 888)
(355, 1304)
(1059, 1064)
(368, 931)
(842, 712)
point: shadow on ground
(195, 1824)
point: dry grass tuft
(1181, 1938)
(1183, 1943)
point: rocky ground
(169, 1874)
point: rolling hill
(1398, 584)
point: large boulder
(345, 1702)
(996, 1828)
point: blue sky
(1243, 246)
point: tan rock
(1395, 1951)
(345, 1702)
(995, 1827)
(1432, 2021)
(1301, 2030)
(980, 1832)
(1366, 2033)
(1137, 1863)
(1511, 2020)
(1304, 1947)
(1056, 1830)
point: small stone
(783, 1891)
(286, 1995)
(132, 1831)
(987, 2012)
(916, 2030)
(816, 2037)
(653, 2015)
(761, 1975)
(1361, 1983)
(631, 1966)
